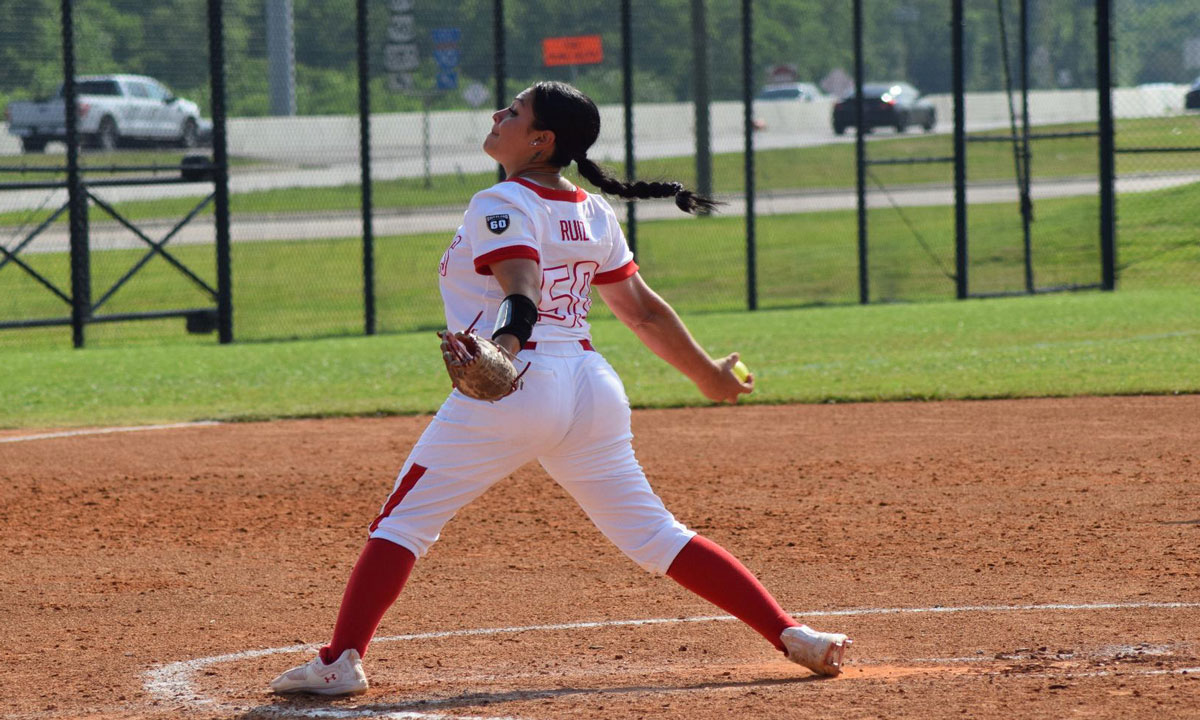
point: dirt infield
(1002, 559)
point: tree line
(903, 40)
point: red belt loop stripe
(585, 344)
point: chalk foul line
(106, 431)
(173, 681)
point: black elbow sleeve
(516, 316)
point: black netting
(292, 76)
(1157, 140)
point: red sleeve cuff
(613, 276)
(483, 262)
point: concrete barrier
(669, 124)
(659, 128)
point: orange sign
(577, 50)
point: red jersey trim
(614, 276)
(483, 262)
(577, 195)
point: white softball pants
(573, 416)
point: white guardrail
(669, 125)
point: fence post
(498, 62)
(627, 101)
(960, 154)
(81, 277)
(216, 70)
(364, 159)
(700, 85)
(860, 159)
(1026, 198)
(748, 152)
(1108, 230)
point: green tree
(903, 39)
(30, 46)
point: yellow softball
(741, 371)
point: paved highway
(302, 226)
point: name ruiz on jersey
(573, 231)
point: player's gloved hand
(478, 367)
(722, 385)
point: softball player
(523, 263)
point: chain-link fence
(1157, 142)
(1034, 213)
(308, 262)
(31, 47)
(125, 252)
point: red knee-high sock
(706, 569)
(375, 583)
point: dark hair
(575, 122)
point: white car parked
(112, 109)
(802, 91)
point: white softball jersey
(571, 413)
(574, 237)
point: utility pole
(281, 58)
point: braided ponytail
(685, 199)
(575, 121)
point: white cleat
(343, 676)
(820, 652)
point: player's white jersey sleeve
(497, 226)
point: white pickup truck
(113, 109)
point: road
(309, 226)
(312, 160)
(333, 168)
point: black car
(895, 104)
(1191, 101)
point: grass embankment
(313, 288)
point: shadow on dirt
(287, 706)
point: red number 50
(567, 293)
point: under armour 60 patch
(497, 223)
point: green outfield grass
(1143, 341)
(783, 170)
